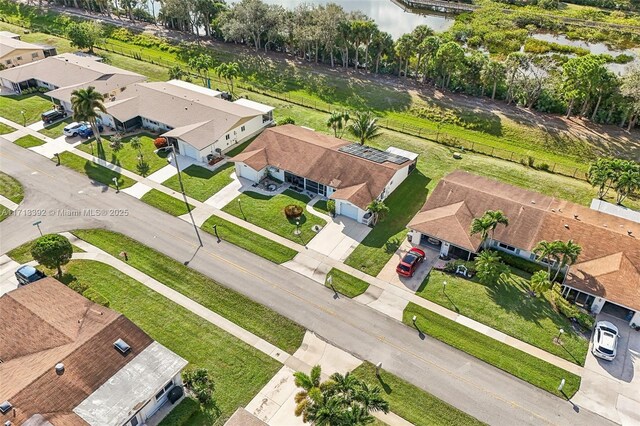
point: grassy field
(127, 157)
(238, 370)
(94, 171)
(32, 105)
(201, 183)
(22, 253)
(520, 364)
(237, 308)
(508, 307)
(10, 188)
(4, 129)
(267, 212)
(56, 130)
(347, 284)
(412, 403)
(248, 240)
(28, 141)
(165, 202)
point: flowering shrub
(160, 142)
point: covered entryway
(349, 210)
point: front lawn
(346, 284)
(267, 211)
(252, 316)
(28, 141)
(56, 130)
(201, 183)
(10, 188)
(33, 106)
(412, 403)
(4, 129)
(165, 202)
(127, 157)
(382, 242)
(249, 240)
(94, 171)
(238, 370)
(322, 207)
(516, 362)
(22, 253)
(508, 307)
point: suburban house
(195, 120)
(62, 74)
(351, 174)
(15, 52)
(68, 361)
(607, 271)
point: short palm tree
(488, 223)
(86, 105)
(378, 209)
(228, 71)
(136, 143)
(338, 122)
(328, 411)
(568, 253)
(549, 251)
(371, 398)
(365, 127)
(310, 384)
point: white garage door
(349, 210)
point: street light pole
(115, 181)
(184, 195)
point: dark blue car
(86, 131)
(28, 274)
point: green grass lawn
(94, 171)
(10, 188)
(267, 212)
(201, 183)
(347, 284)
(56, 130)
(412, 403)
(127, 157)
(165, 202)
(28, 141)
(238, 370)
(248, 240)
(382, 242)
(22, 253)
(321, 206)
(520, 364)
(33, 105)
(238, 149)
(508, 307)
(237, 308)
(4, 129)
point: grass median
(94, 171)
(234, 306)
(28, 141)
(516, 362)
(346, 284)
(56, 130)
(166, 203)
(4, 129)
(10, 188)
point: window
(18, 58)
(164, 390)
(242, 128)
(506, 247)
(34, 55)
(227, 137)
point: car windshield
(403, 267)
(608, 330)
(409, 258)
(605, 350)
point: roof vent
(533, 201)
(5, 407)
(575, 216)
(553, 210)
(122, 346)
(59, 369)
(566, 226)
(8, 423)
(629, 232)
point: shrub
(544, 167)
(293, 211)
(452, 266)
(520, 263)
(200, 384)
(571, 311)
(160, 142)
(286, 120)
(96, 297)
(78, 286)
(331, 206)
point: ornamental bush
(160, 142)
(293, 211)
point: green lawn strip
(33, 106)
(28, 141)
(347, 284)
(183, 413)
(267, 211)
(382, 242)
(201, 183)
(412, 403)
(252, 316)
(56, 130)
(238, 149)
(165, 202)
(249, 240)
(10, 188)
(127, 157)
(520, 364)
(238, 370)
(4, 129)
(508, 307)
(94, 171)
(22, 253)
(321, 206)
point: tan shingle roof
(9, 45)
(608, 266)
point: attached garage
(349, 210)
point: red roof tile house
(65, 360)
(607, 270)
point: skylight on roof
(5, 407)
(372, 154)
(122, 346)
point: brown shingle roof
(68, 329)
(608, 266)
(315, 156)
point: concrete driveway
(612, 388)
(8, 279)
(390, 275)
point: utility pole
(184, 195)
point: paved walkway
(4, 201)
(226, 194)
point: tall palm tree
(310, 384)
(549, 251)
(365, 126)
(86, 103)
(338, 122)
(495, 218)
(488, 223)
(568, 253)
(228, 71)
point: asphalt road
(463, 381)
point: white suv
(71, 129)
(605, 340)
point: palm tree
(86, 103)
(378, 209)
(371, 398)
(495, 218)
(228, 71)
(136, 143)
(540, 282)
(568, 253)
(365, 126)
(338, 122)
(628, 181)
(548, 251)
(328, 411)
(488, 223)
(310, 384)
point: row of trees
(623, 176)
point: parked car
(605, 340)
(410, 262)
(28, 274)
(86, 131)
(71, 130)
(50, 116)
